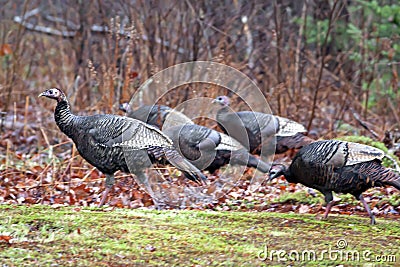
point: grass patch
(70, 236)
(300, 197)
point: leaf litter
(57, 175)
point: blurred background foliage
(317, 62)
(332, 65)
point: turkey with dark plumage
(255, 129)
(210, 150)
(156, 115)
(112, 143)
(338, 166)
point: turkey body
(99, 145)
(256, 130)
(205, 148)
(249, 128)
(112, 143)
(341, 167)
(156, 115)
(210, 150)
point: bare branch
(333, 15)
(23, 21)
(364, 124)
(71, 33)
(296, 79)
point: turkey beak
(41, 94)
(272, 176)
(218, 102)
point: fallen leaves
(5, 49)
(59, 177)
(150, 248)
(5, 238)
(304, 209)
(21, 187)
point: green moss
(67, 236)
(394, 200)
(300, 197)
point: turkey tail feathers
(395, 183)
(185, 166)
(392, 179)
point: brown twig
(278, 36)
(303, 26)
(364, 124)
(26, 115)
(8, 153)
(331, 20)
(394, 110)
(88, 174)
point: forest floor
(241, 228)
(42, 235)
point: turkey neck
(221, 116)
(222, 111)
(64, 117)
(288, 176)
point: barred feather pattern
(339, 166)
(156, 115)
(249, 128)
(253, 129)
(166, 155)
(228, 143)
(112, 143)
(288, 127)
(297, 141)
(211, 150)
(340, 153)
(153, 115)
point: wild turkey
(250, 128)
(156, 115)
(338, 166)
(210, 150)
(113, 143)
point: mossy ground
(71, 236)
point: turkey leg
(109, 184)
(367, 208)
